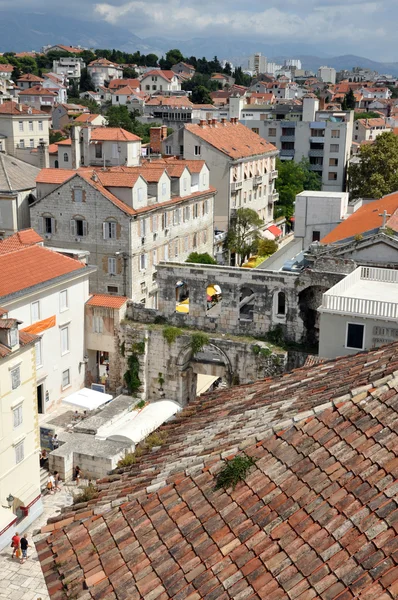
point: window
(38, 352)
(143, 228)
(195, 211)
(15, 377)
(140, 194)
(65, 378)
(154, 223)
(22, 143)
(281, 307)
(205, 207)
(186, 243)
(63, 300)
(355, 336)
(78, 194)
(164, 221)
(20, 124)
(176, 217)
(181, 150)
(334, 147)
(35, 311)
(255, 130)
(198, 150)
(112, 266)
(64, 340)
(332, 176)
(30, 127)
(17, 416)
(164, 189)
(185, 183)
(98, 150)
(143, 262)
(195, 240)
(272, 132)
(31, 143)
(186, 213)
(19, 452)
(47, 225)
(316, 236)
(109, 230)
(78, 227)
(166, 252)
(113, 289)
(13, 337)
(333, 162)
(169, 150)
(147, 87)
(40, 125)
(98, 324)
(154, 257)
(205, 236)
(335, 133)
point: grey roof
(16, 175)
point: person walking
(15, 542)
(57, 481)
(77, 475)
(24, 548)
(50, 483)
(54, 442)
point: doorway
(40, 399)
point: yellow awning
(186, 301)
(182, 308)
(211, 291)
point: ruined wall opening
(182, 297)
(309, 300)
(246, 304)
(213, 300)
(281, 303)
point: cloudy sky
(337, 26)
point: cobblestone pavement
(26, 581)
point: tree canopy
(202, 259)
(293, 178)
(242, 237)
(376, 172)
(119, 116)
(348, 101)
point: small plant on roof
(140, 404)
(171, 333)
(90, 492)
(234, 471)
(198, 341)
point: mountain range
(30, 31)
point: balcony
(316, 153)
(287, 138)
(273, 174)
(274, 197)
(236, 185)
(258, 180)
(363, 293)
(316, 167)
(289, 152)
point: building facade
(102, 70)
(327, 74)
(24, 127)
(160, 81)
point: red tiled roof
(107, 301)
(314, 518)
(115, 84)
(125, 91)
(233, 139)
(369, 123)
(118, 179)
(67, 142)
(167, 75)
(25, 237)
(12, 108)
(30, 266)
(104, 62)
(72, 49)
(24, 340)
(53, 149)
(275, 230)
(86, 118)
(367, 218)
(30, 77)
(170, 101)
(116, 134)
(6, 68)
(37, 90)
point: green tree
(242, 237)
(151, 60)
(129, 73)
(241, 78)
(293, 178)
(348, 101)
(376, 172)
(201, 95)
(86, 83)
(267, 247)
(172, 58)
(119, 116)
(227, 69)
(202, 259)
(55, 136)
(366, 115)
(91, 104)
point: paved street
(26, 582)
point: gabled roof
(233, 139)
(174, 101)
(15, 174)
(314, 518)
(167, 75)
(6, 68)
(118, 179)
(30, 77)
(21, 239)
(115, 84)
(366, 219)
(106, 301)
(113, 134)
(30, 266)
(104, 62)
(25, 339)
(370, 123)
(125, 91)
(86, 118)
(72, 49)
(37, 90)
(12, 108)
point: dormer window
(13, 337)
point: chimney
(209, 122)
(164, 132)
(223, 121)
(202, 123)
(214, 122)
(94, 176)
(155, 139)
(44, 158)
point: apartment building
(257, 63)
(23, 127)
(28, 80)
(20, 497)
(41, 98)
(242, 165)
(69, 66)
(47, 292)
(366, 130)
(324, 137)
(327, 74)
(157, 80)
(102, 70)
(128, 219)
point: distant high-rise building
(327, 74)
(293, 62)
(258, 63)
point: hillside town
(198, 328)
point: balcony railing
(236, 185)
(257, 180)
(288, 138)
(285, 152)
(316, 153)
(274, 174)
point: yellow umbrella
(182, 308)
(211, 291)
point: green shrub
(235, 470)
(157, 438)
(198, 341)
(203, 259)
(131, 376)
(140, 404)
(90, 492)
(171, 333)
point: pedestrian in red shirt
(15, 542)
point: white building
(102, 146)
(17, 192)
(293, 62)
(102, 70)
(40, 97)
(257, 63)
(69, 66)
(318, 213)
(20, 497)
(369, 129)
(327, 74)
(242, 165)
(47, 292)
(157, 80)
(359, 313)
(24, 128)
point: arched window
(56, 164)
(66, 157)
(213, 300)
(281, 303)
(182, 297)
(246, 304)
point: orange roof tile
(30, 77)
(6, 68)
(86, 118)
(106, 301)
(369, 123)
(24, 340)
(167, 75)
(365, 219)
(118, 179)
(117, 134)
(27, 267)
(53, 149)
(41, 326)
(72, 49)
(170, 101)
(37, 90)
(67, 142)
(103, 62)
(12, 108)
(25, 237)
(125, 91)
(115, 84)
(55, 175)
(233, 139)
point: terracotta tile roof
(104, 62)
(25, 339)
(53, 149)
(8, 323)
(12, 108)
(67, 142)
(86, 118)
(314, 518)
(6, 68)
(41, 326)
(107, 301)
(30, 77)
(125, 91)
(104, 134)
(118, 179)
(72, 49)
(233, 139)
(37, 90)
(25, 237)
(365, 219)
(27, 267)
(167, 75)
(370, 123)
(170, 101)
(115, 84)
(55, 175)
